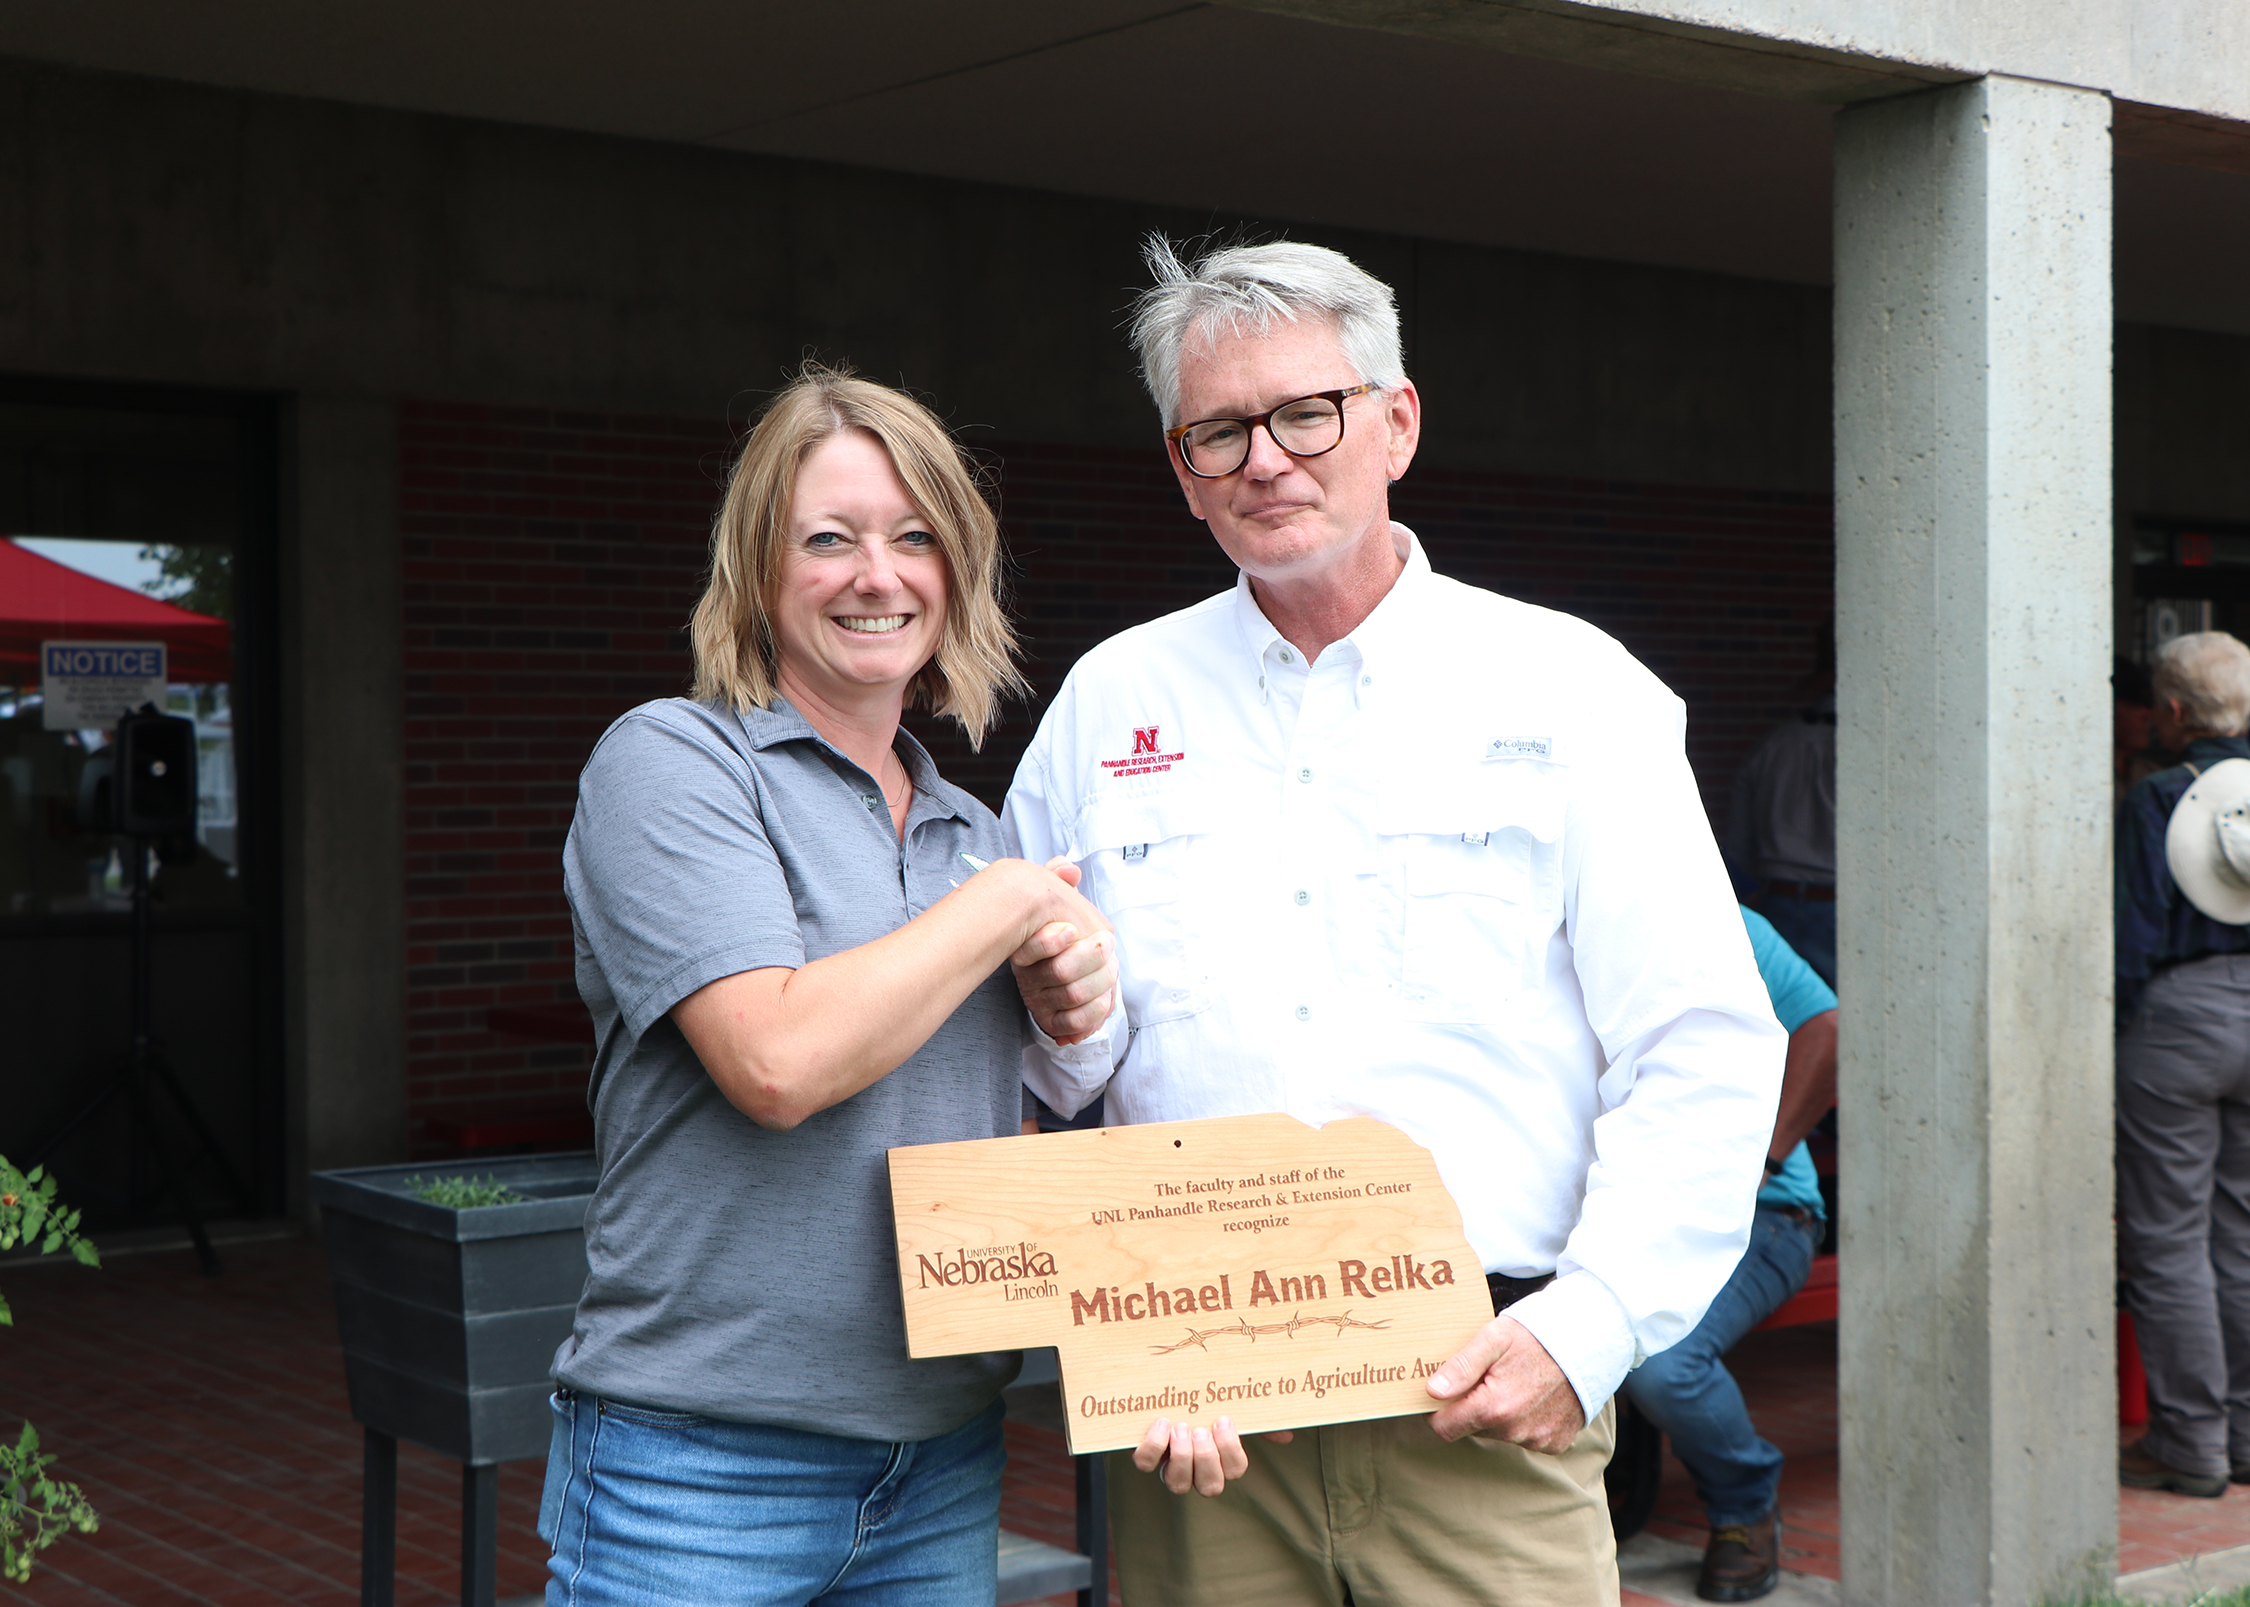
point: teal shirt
(1798, 995)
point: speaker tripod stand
(135, 1080)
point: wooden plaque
(1247, 1266)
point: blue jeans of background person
(659, 1509)
(1807, 925)
(1688, 1393)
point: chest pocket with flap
(1481, 864)
(1147, 866)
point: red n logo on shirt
(1144, 738)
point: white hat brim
(2191, 843)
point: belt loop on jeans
(1506, 1291)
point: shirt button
(1303, 897)
(1304, 775)
(1304, 1012)
(1288, 657)
(863, 798)
(1367, 680)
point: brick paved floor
(206, 1419)
(1789, 1378)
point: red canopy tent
(43, 601)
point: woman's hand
(1190, 1457)
(1052, 888)
(784, 1044)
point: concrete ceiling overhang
(1545, 126)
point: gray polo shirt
(738, 1273)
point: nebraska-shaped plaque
(1246, 1266)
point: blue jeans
(1688, 1393)
(655, 1509)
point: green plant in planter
(35, 1510)
(465, 1193)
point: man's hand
(1195, 1458)
(1504, 1384)
(1067, 977)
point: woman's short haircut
(2209, 672)
(731, 632)
(1244, 289)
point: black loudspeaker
(153, 785)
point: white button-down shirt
(1455, 876)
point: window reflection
(117, 526)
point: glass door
(136, 535)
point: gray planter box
(450, 1318)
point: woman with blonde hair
(794, 963)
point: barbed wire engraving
(1248, 1330)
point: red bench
(1815, 1302)
(521, 1129)
(542, 1023)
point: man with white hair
(2183, 1080)
(1378, 843)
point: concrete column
(1973, 856)
(344, 919)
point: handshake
(1066, 968)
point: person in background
(793, 966)
(2133, 755)
(2183, 1081)
(1397, 847)
(1781, 816)
(1687, 1391)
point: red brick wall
(551, 560)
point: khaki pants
(1375, 1514)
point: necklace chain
(905, 783)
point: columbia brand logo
(1521, 748)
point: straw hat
(2208, 843)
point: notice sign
(1246, 1266)
(90, 686)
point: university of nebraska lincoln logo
(1148, 757)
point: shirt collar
(934, 796)
(1383, 636)
(2208, 751)
(777, 722)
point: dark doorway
(2188, 575)
(121, 497)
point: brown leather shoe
(2137, 1470)
(1742, 1561)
